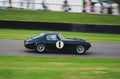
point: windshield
(61, 37)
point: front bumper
(88, 46)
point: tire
(40, 48)
(80, 49)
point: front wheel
(40, 48)
(80, 49)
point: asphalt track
(98, 50)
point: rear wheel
(80, 49)
(40, 48)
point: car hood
(75, 39)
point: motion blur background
(78, 6)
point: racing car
(55, 41)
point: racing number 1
(59, 44)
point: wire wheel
(80, 49)
(40, 48)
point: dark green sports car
(55, 41)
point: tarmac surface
(98, 50)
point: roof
(46, 33)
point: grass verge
(91, 37)
(62, 17)
(58, 68)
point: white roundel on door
(59, 44)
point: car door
(51, 40)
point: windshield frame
(61, 37)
